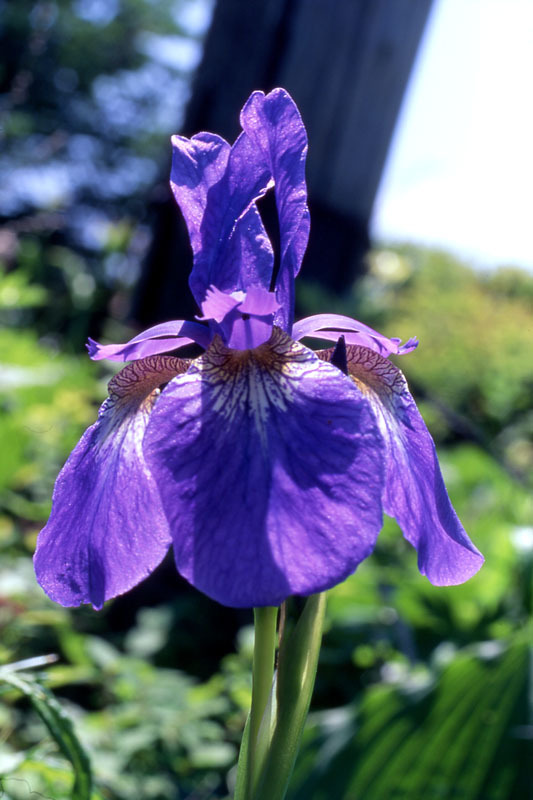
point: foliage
(59, 726)
(457, 729)
(484, 332)
(90, 91)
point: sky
(460, 168)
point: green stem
(297, 666)
(265, 620)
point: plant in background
(268, 466)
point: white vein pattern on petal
(132, 394)
(103, 491)
(119, 422)
(122, 420)
(385, 387)
(386, 383)
(254, 382)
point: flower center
(244, 319)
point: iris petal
(331, 326)
(197, 165)
(159, 339)
(270, 468)
(216, 187)
(415, 494)
(251, 324)
(217, 305)
(244, 319)
(274, 124)
(107, 529)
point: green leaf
(241, 782)
(467, 735)
(60, 727)
(17, 292)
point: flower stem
(296, 677)
(265, 620)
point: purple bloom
(264, 464)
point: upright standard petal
(197, 164)
(274, 124)
(216, 188)
(270, 468)
(107, 530)
(415, 494)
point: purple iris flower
(266, 466)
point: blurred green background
(421, 692)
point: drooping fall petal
(269, 464)
(107, 530)
(414, 494)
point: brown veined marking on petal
(273, 356)
(372, 373)
(132, 394)
(256, 380)
(272, 359)
(139, 382)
